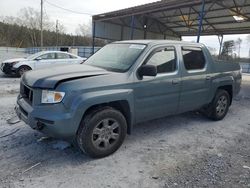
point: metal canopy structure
(171, 19)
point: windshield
(33, 56)
(116, 57)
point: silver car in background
(39, 60)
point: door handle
(175, 81)
(208, 77)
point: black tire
(218, 108)
(21, 70)
(97, 136)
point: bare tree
(212, 50)
(227, 50)
(61, 28)
(248, 40)
(11, 20)
(238, 45)
(84, 29)
(30, 18)
(24, 31)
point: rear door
(63, 59)
(196, 81)
(158, 96)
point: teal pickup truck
(97, 103)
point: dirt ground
(186, 150)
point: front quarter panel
(24, 63)
(86, 100)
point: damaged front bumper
(8, 68)
(52, 120)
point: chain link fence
(245, 67)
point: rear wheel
(102, 132)
(218, 108)
(21, 70)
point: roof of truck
(156, 42)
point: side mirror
(38, 58)
(147, 70)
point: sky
(92, 7)
(212, 41)
(68, 19)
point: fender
(220, 81)
(24, 63)
(83, 102)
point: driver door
(156, 97)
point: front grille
(7, 67)
(26, 93)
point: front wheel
(218, 108)
(102, 132)
(21, 70)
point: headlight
(13, 63)
(49, 96)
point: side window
(62, 56)
(48, 56)
(164, 59)
(193, 58)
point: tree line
(24, 31)
(13, 35)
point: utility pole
(41, 23)
(56, 32)
(73, 37)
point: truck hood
(14, 60)
(50, 78)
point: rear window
(62, 56)
(193, 58)
(48, 56)
(72, 57)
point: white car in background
(39, 60)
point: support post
(200, 21)
(145, 27)
(93, 37)
(122, 31)
(132, 27)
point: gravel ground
(186, 150)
